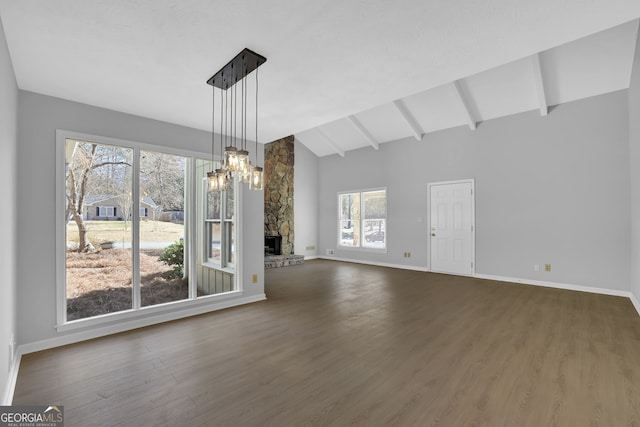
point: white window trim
(362, 248)
(207, 260)
(190, 231)
(106, 208)
(227, 267)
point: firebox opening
(272, 245)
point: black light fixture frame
(237, 69)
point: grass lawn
(115, 231)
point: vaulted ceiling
(339, 75)
(590, 66)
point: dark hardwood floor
(348, 344)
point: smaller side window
(220, 226)
(362, 219)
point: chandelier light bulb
(231, 159)
(213, 181)
(257, 178)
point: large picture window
(124, 235)
(362, 221)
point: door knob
(433, 234)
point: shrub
(174, 255)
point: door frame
(471, 181)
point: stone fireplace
(278, 192)
(278, 204)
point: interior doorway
(452, 227)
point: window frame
(361, 221)
(138, 312)
(227, 240)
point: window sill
(145, 312)
(354, 249)
(212, 266)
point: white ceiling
(590, 66)
(339, 74)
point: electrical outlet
(330, 252)
(311, 248)
(547, 267)
(254, 278)
(536, 267)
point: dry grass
(118, 231)
(100, 282)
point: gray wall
(8, 193)
(634, 158)
(252, 238)
(305, 201)
(39, 117)
(549, 189)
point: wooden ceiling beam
(363, 130)
(330, 142)
(539, 82)
(409, 119)
(466, 106)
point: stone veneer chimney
(278, 191)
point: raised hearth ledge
(277, 261)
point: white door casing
(452, 227)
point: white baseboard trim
(602, 291)
(7, 396)
(379, 264)
(308, 257)
(134, 324)
(593, 290)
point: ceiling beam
(464, 102)
(330, 142)
(539, 82)
(409, 119)
(360, 127)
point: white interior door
(452, 227)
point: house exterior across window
(109, 207)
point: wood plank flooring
(346, 344)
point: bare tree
(126, 207)
(99, 169)
(81, 170)
(162, 178)
(77, 178)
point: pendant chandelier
(234, 155)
